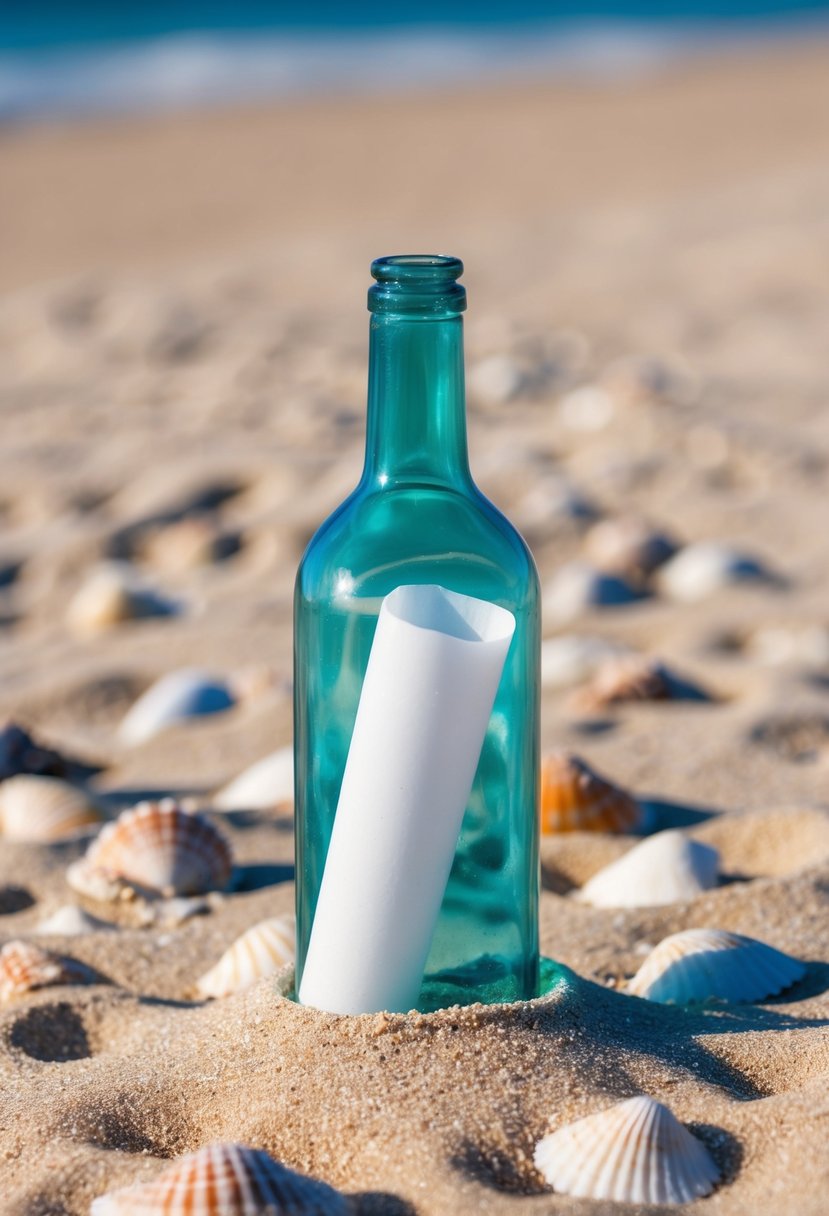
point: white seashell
(180, 695)
(495, 379)
(262, 950)
(699, 964)
(663, 869)
(587, 408)
(628, 546)
(571, 659)
(25, 967)
(808, 645)
(225, 1180)
(266, 783)
(634, 1152)
(155, 848)
(44, 808)
(577, 587)
(71, 921)
(699, 570)
(111, 595)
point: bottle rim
(422, 284)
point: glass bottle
(416, 516)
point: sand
(183, 337)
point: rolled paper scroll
(429, 688)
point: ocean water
(60, 58)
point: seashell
(71, 921)
(110, 596)
(553, 503)
(699, 964)
(663, 869)
(699, 570)
(44, 808)
(573, 658)
(634, 678)
(269, 782)
(574, 798)
(154, 849)
(20, 753)
(180, 695)
(577, 588)
(628, 546)
(225, 1180)
(634, 1152)
(587, 408)
(496, 379)
(262, 950)
(807, 644)
(24, 967)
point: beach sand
(183, 336)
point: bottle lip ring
(417, 285)
(422, 268)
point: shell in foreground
(267, 783)
(634, 1152)
(225, 1180)
(663, 869)
(262, 950)
(155, 848)
(176, 697)
(574, 798)
(44, 808)
(700, 964)
(24, 967)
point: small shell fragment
(634, 1152)
(703, 964)
(574, 798)
(180, 695)
(262, 950)
(24, 967)
(267, 783)
(44, 808)
(665, 868)
(154, 849)
(225, 1180)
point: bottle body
(418, 518)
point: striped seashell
(267, 783)
(663, 869)
(44, 808)
(155, 848)
(176, 697)
(574, 798)
(262, 950)
(700, 964)
(225, 1180)
(634, 678)
(24, 967)
(634, 1152)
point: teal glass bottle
(416, 516)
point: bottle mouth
(417, 284)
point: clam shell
(700, 570)
(71, 921)
(225, 1180)
(634, 678)
(663, 869)
(155, 848)
(268, 782)
(24, 967)
(43, 808)
(577, 587)
(574, 798)
(700, 964)
(110, 596)
(183, 694)
(262, 950)
(634, 1152)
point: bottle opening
(417, 284)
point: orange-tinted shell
(576, 799)
(24, 967)
(159, 849)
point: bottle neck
(416, 429)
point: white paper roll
(426, 701)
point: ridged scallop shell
(663, 869)
(43, 808)
(24, 967)
(634, 678)
(267, 783)
(700, 964)
(574, 798)
(577, 587)
(262, 950)
(188, 693)
(155, 848)
(110, 596)
(701, 569)
(634, 1152)
(225, 1180)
